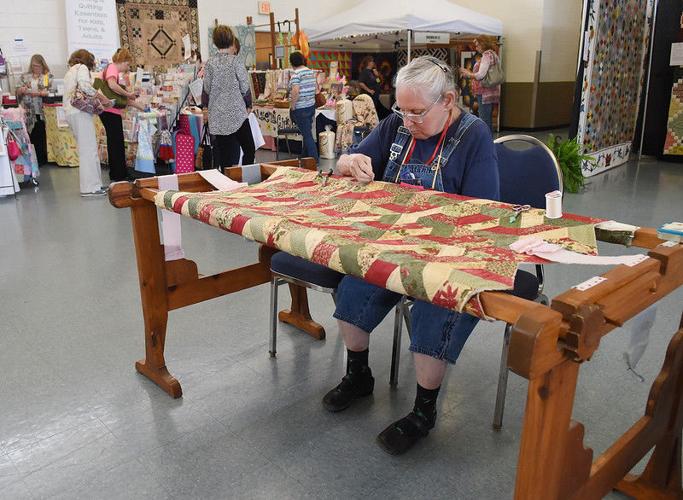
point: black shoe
(400, 436)
(353, 386)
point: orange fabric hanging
(300, 41)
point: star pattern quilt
(433, 246)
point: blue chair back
(526, 175)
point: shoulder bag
(103, 86)
(204, 158)
(495, 75)
(88, 104)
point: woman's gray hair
(428, 75)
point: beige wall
(522, 30)
(560, 40)
(43, 25)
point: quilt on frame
(433, 246)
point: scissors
(518, 209)
(410, 178)
(324, 176)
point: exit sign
(264, 7)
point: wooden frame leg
(550, 400)
(299, 315)
(152, 275)
(662, 475)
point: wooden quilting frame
(548, 346)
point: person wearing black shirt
(369, 81)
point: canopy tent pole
(272, 40)
(410, 36)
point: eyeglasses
(414, 117)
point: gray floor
(76, 421)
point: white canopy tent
(379, 23)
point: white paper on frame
(596, 280)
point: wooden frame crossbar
(547, 347)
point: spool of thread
(553, 205)
(326, 143)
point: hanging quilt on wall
(614, 58)
(321, 59)
(153, 30)
(673, 145)
(247, 37)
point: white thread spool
(553, 205)
(326, 143)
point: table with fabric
(62, 148)
(271, 119)
(452, 251)
(26, 166)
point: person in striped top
(302, 89)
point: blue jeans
(303, 118)
(486, 113)
(436, 332)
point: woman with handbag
(78, 90)
(226, 84)
(112, 118)
(488, 75)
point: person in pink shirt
(487, 96)
(112, 117)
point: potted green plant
(570, 157)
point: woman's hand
(357, 166)
(106, 102)
(131, 95)
(137, 105)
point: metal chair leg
(502, 380)
(396, 348)
(406, 316)
(274, 284)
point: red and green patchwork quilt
(433, 246)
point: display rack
(271, 25)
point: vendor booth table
(62, 147)
(272, 119)
(548, 343)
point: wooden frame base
(547, 347)
(299, 315)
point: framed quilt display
(616, 43)
(153, 29)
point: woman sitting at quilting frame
(428, 142)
